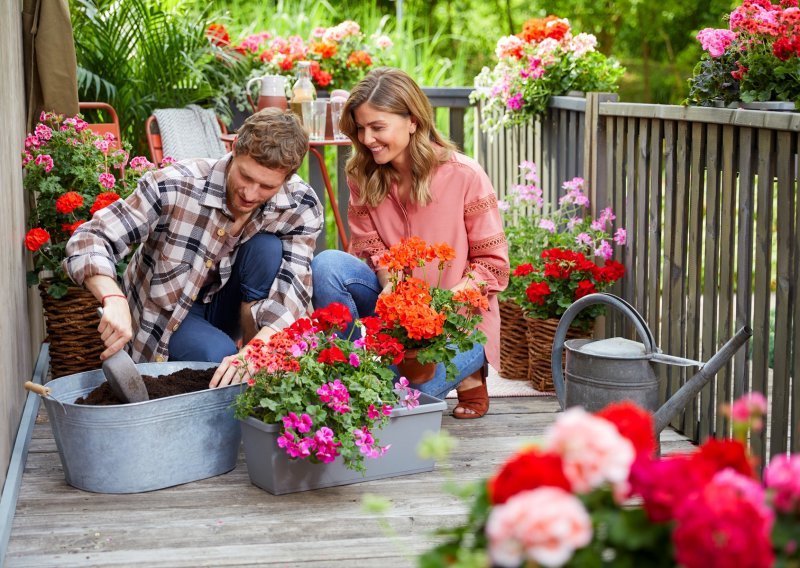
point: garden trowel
(123, 377)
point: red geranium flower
(634, 423)
(537, 292)
(331, 355)
(523, 269)
(529, 469)
(36, 238)
(69, 202)
(585, 287)
(335, 316)
(103, 200)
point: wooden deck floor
(226, 521)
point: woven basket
(540, 348)
(75, 344)
(513, 342)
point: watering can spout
(689, 390)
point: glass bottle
(303, 89)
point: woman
(407, 180)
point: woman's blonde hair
(392, 90)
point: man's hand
(115, 326)
(232, 370)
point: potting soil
(179, 382)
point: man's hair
(274, 138)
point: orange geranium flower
(324, 49)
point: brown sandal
(475, 399)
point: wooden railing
(709, 199)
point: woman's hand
(233, 370)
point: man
(225, 251)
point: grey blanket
(191, 132)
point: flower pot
(513, 342)
(540, 334)
(71, 321)
(274, 471)
(144, 446)
(417, 373)
(779, 106)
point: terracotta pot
(416, 372)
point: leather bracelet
(103, 299)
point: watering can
(272, 92)
(599, 372)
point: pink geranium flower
(545, 525)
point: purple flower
(621, 236)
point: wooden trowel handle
(41, 390)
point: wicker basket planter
(513, 342)
(72, 321)
(540, 333)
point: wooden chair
(154, 138)
(102, 128)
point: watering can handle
(563, 326)
(247, 90)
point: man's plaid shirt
(180, 217)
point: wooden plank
(626, 217)
(789, 121)
(762, 277)
(616, 202)
(710, 273)
(695, 250)
(668, 317)
(226, 521)
(638, 230)
(456, 123)
(744, 256)
(655, 228)
(678, 278)
(794, 416)
(783, 299)
(726, 263)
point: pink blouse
(463, 214)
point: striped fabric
(180, 217)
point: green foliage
(287, 377)
(70, 173)
(712, 81)
(138, 57)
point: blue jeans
(341, 277)
(209, 331)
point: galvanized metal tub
(147, 445)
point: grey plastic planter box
(272, 470)
(146, 445)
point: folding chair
(154, 138)
(102, 128)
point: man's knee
(258, 264)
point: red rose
(528, 469)
(331, 355)
(634, 423)
(36, 238)
(537, 292)
(585, 287)
(69, 202)
(103, 200)
(523, 269)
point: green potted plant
(557, 255)
(70, 173)
(542, 61)
(322, 410)
(755, 62)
